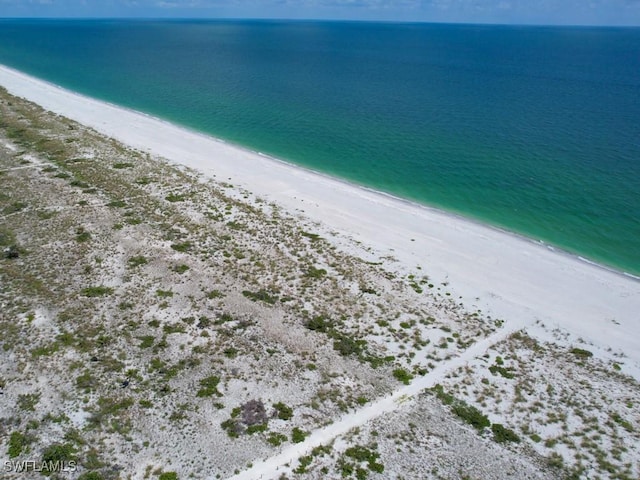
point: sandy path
(268, 468)
(24, 167)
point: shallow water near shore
(530, 129)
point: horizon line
(322, 20)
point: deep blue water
(532, 129)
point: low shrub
(502, 371)
(501, 434)
(209, 387)
(261, 295)
(283, 411)
(137, 261)
(402, 375)
(298, 435)
(318, 324)
(56, 456)
(276, 439)
(18, 443)
(182, 247)
(581, 353)
(180, 268)
(313, 272)
(98, 291)
(471, 415)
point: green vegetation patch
(15, 207)
(303, 463)
(261, 427)
(616, 417)
(56, 457)
(364, 454)
(170, 328)
(466, 412)
(298, 435)
(45, 350)
(28, 401)
(146, 341)
(180, 269)
(502, 371)
(79, 184)
(98, 291)
(471, 415)
(168, 476)
(344, 344)
(261, 295)
(18, 443)
(91, 476)
(209, 387)
(314, 237)
(7, 237)
(501, 434)
(82, 235)
(313, 272)
(276, 439)
(137, 261)
(182, 247)
(319, 324)
(283, 411)
(86, 381)
(232, 427)
(173, 197)
(581, 353)
(402, 375)
(122, 165)
(112, 406)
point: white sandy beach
(507, 276)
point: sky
(549, 12)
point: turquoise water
(532, 129)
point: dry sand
(506, 276)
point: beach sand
(506, 276)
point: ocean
(535, 130)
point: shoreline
(347, 183)
(505, 273)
